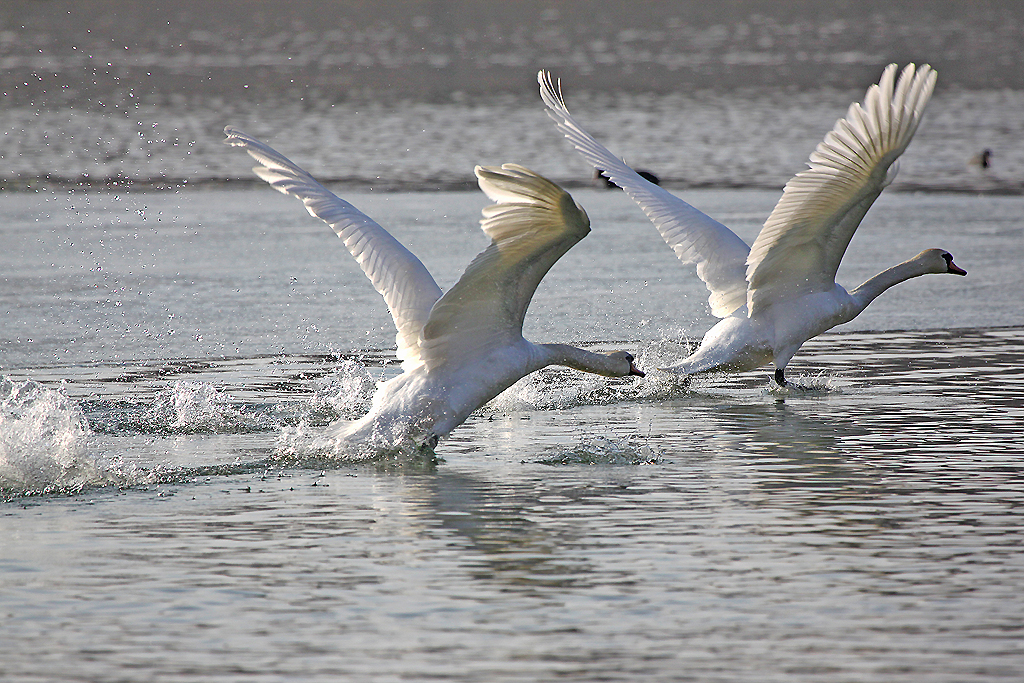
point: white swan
(781, 292)
(461, 349)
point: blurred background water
(169, 326)
(413, 94)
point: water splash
(665, 351)
(346, 391)
(604, 450)
(659, 385)
(344, 395)
(190, 407)
(42, 442)
(390, 449)
(44, 439)
(558, 389)
(186, 407)
(821, 383)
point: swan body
(781, 291)
(462, 348)
(429, 404)
(741, 342)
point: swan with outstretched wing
(781, 291)
(462, 348)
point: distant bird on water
(462, 348)
(602, 180)
(781, 292)
(982, 159)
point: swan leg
(780, 376)
(430, 443)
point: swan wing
(400, 277)
(803, 241)
(717, 252)
(532, 223)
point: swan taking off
(460, 349)
(781, 292)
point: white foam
(387, 448)
(42, 441)
(604, 450)
(820, 383)
(189, 407)
(551, 389)
(346, 391)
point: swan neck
(873, 287)
(583, 360)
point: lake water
(162, 351)
(165, 354)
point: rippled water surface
(868, 529)
(160, 350)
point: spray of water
(604, 450)
(42, 442)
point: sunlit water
(161, 351)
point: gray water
(414, 94)
(165, 354)
(164, 349)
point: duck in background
(601, 180)
(982, 160)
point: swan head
(627, 365)
(938, 261)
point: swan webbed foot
(780, 377)
(429, 443)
